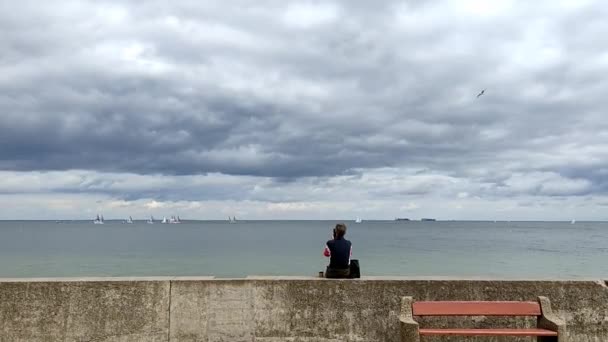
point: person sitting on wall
(339, 251)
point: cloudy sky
(304, 109)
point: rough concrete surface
(84, 311)
(267, 309)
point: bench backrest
(476, 309)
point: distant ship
(358, 220)
(151, 220)
(164, 220)
(129, 220)
(427, 219)
(174, 219)
(401, 219)
(98, 219)
(231, 219)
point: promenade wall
(269, 309)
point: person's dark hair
(340, 230)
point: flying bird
(481, 93)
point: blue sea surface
(387, 248)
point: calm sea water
(455, 248)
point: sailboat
(129, 220)
(98, 219)
(164, 220)
(231, 219)
(573, 221)
(151, 220)
(358, 220)
(174, 219)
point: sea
(511, 250)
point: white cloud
(310, 14)
(483, 8)
(546, 183)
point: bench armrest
(549, 320)
(408, 326)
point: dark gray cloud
(290, 91)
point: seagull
(481, 93)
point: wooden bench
(549, 327)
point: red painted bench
(549, 326)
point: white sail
(151, 220)
(98, 220)
(573, 221)
(164, 220)
(358, 220)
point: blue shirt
(339, 251)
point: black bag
(355, 271)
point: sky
(304, 109)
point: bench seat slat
(476, 309)
(489, 332)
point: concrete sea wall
(269, 309)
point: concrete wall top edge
(98, 279)
(296, 278)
